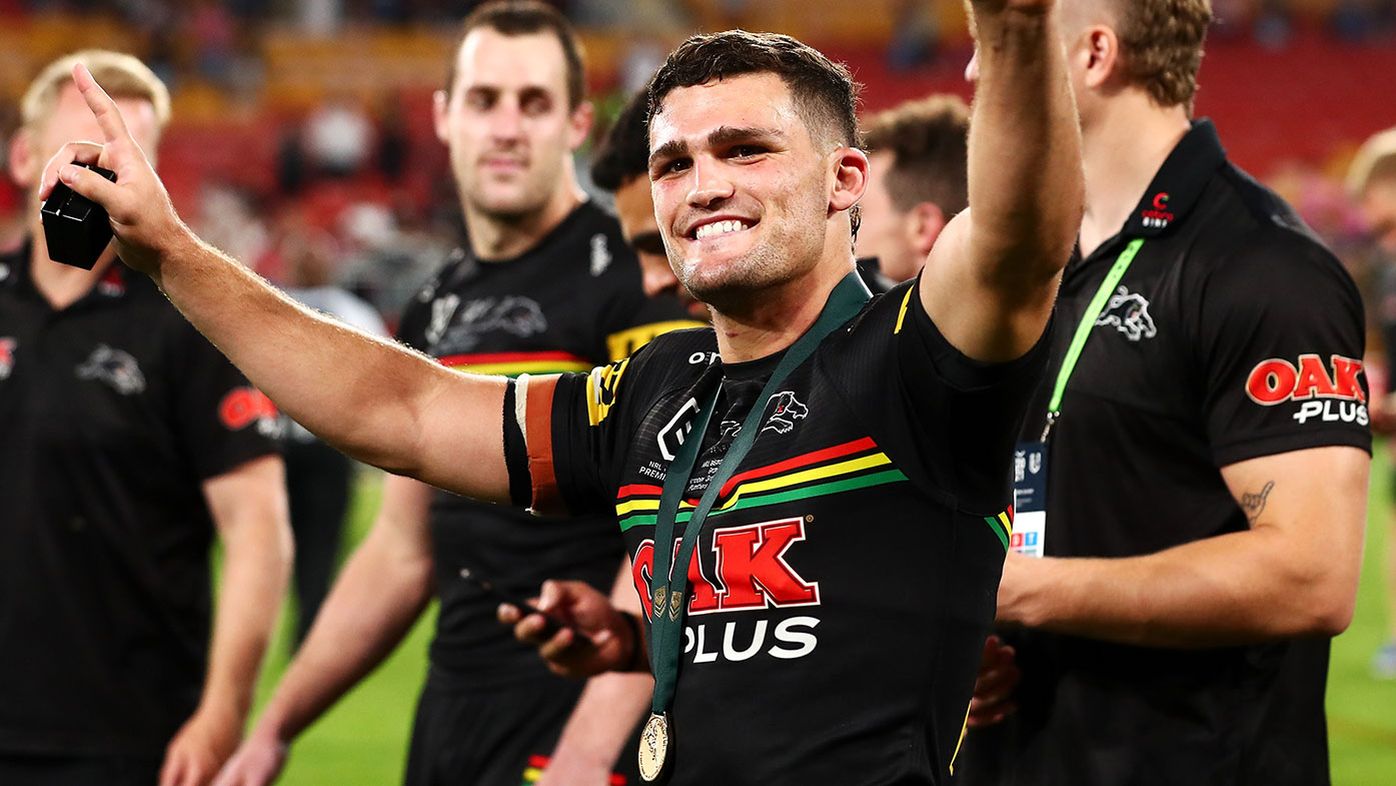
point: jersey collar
(1179, 182)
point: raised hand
(142, 217)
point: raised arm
(991, 278)
(376, 401)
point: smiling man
(853, 548)
(543, 283)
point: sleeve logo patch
(1327, 392)
(602, 386)
(244, 406)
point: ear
(25, 167)
(923, 225)
(1099, 55)
(850, 178)
(440, 114)
(579, 125)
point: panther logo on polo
(1129, 313)
(114, 367)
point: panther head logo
(1129, 313)
(788, 409)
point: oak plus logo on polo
(7, 357)
(752, 573)
(1326, 390)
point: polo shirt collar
(15, 273)
(1179, 183)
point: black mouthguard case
(76, 228)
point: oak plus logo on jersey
(752, 574)
(1326, 391)
(7, 357)
(1157, 216)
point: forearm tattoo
(1253, 504)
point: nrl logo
(788, 410)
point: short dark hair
(824, 91)
(526, 17)
(624, 153)
(928, 140)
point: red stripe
(507, 357)
(540, 762)
(837, 451)
(638, 490)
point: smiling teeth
(719, 228)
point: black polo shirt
(113, 412)
(1234, 334)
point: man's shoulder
(1246, 217)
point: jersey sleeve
(223, 421)
(959, 417)
(1280, 332)
(573, 432)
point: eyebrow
(723, 135)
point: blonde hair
(1375, 160)
(121, 75)
(1162, 45)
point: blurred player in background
(622, 168)
(319, 479)
(917, 181)
(1205, 458)
(1372, 182)
(544, 284)
(128, 443)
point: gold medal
(655, 740)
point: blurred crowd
(356, 189)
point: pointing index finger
(102, 106)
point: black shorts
(38, 770)
(492, 737)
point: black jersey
(845, 580)
(1234, 334)
(572, 301)
(113, 412)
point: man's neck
(493, 237)
(63, 285)
(1123, 148)
(776, 317)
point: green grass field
(362, 741)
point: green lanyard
(667, 613)
(1083, 330)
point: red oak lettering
(1276, 380)
(1271, 382)
(1345, 371)
(751, 565)
(641, 571)
(242, 406)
